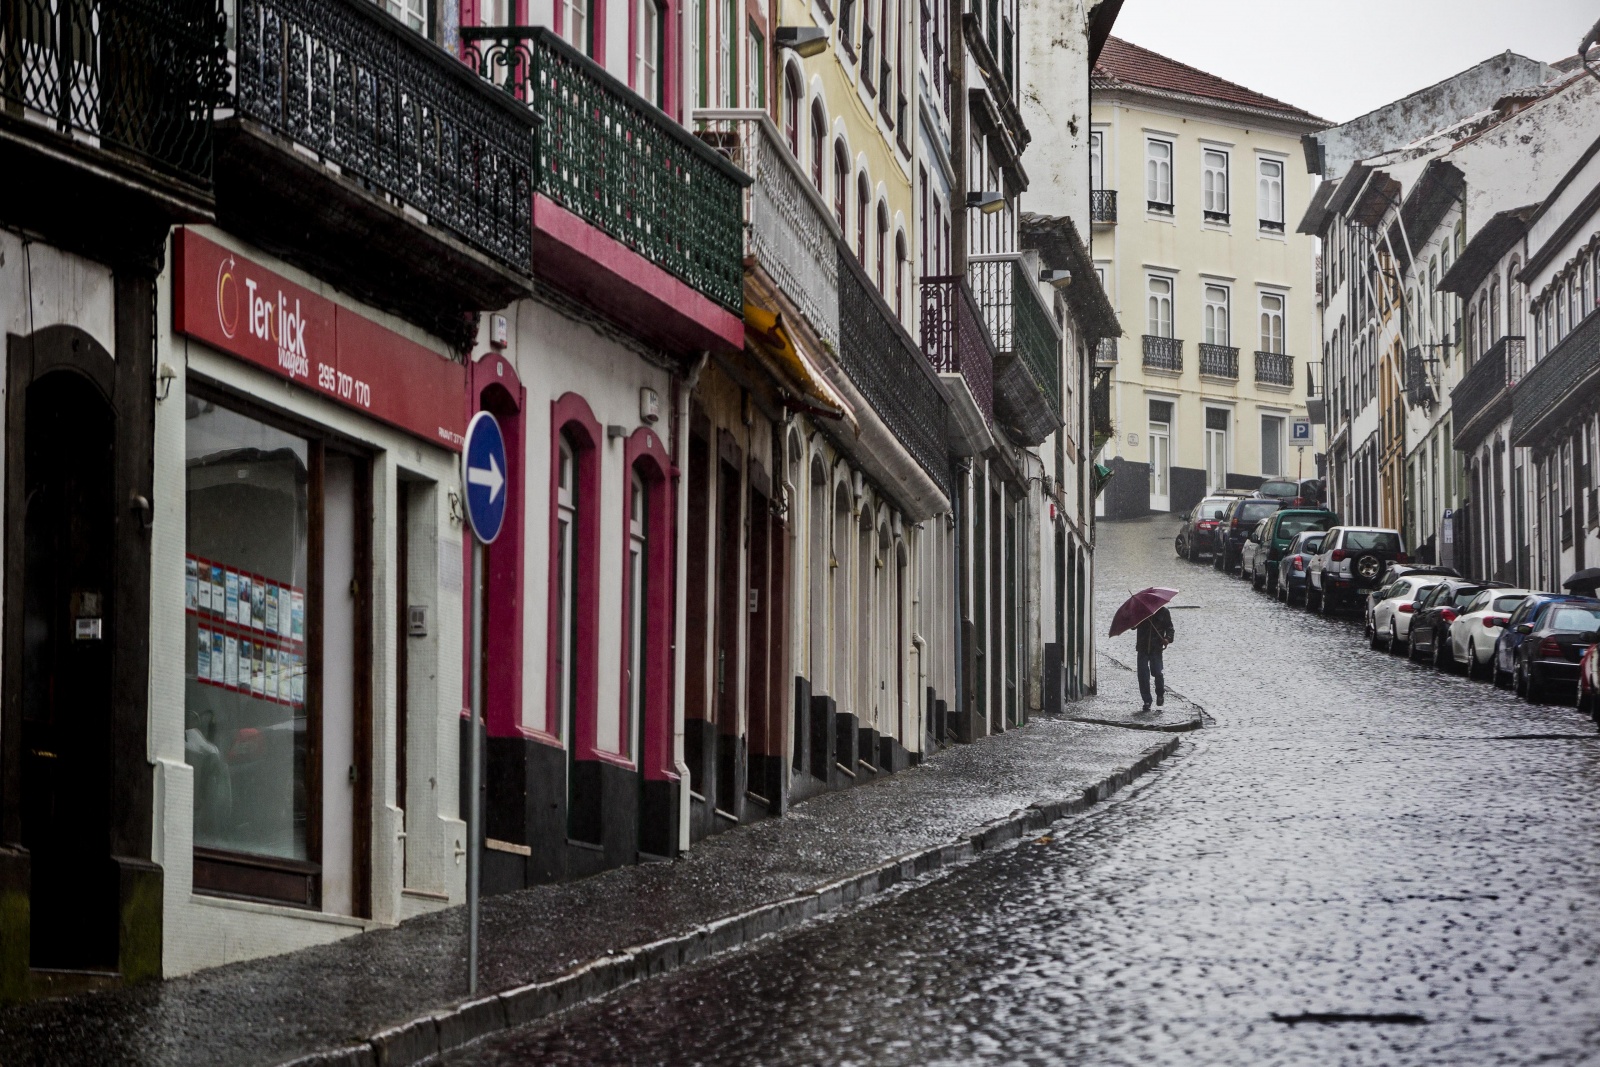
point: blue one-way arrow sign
(487, 492)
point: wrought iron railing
(619, 163)
(955, 339)
(1418, 382)
(353, 85)
(1163, 353)
(789, 229)
(133, 76)
(1274, 368)
(1489, 377)
(1028, 397)
(1102, 205)
(1219, 361)
(1105, 353)
(1569, 367)
(883, 362)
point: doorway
(1160, 455)
(1217, 420)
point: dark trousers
(1150, 666)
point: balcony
(1557, 386)
(1275, 369)
(1418, 380)
(791, 234)
(1483, 396)
(1103, 206)
(1105, 353)
(891, 385)
(1027, 380)
(1163, 354)
(1219, 361)
(619, 164)
(959, 349)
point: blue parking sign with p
(1300, 432)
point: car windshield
(1311, 544)
(1423, 591)
(1465, 596)
(1280, 489)
(1576, 619)
(1212, 509)
(1256, 510)
(1371, 541)
(1293, 524)
(1508, 603)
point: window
(1160, 305)
(1097, 160)
(414, 13)
(1272, 322)
(1269, 194)
(647, 50)
(882, 247)
(819, 139)
(791, 111)
(756, 63)
(1214, 184)
(1216, 315)
(841, 183)
(1271, 445)
(1158, 175)
(702, 16)
(727, 54)
(575, 24)
(863, 198)
(900, 257)
(1217, 421)
(1494, 310)
(847, 23)
(634, 633)
(564, 598)
(869, 37)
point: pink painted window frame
(646, 454)
(570, 415)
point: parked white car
(1390, 625)
(1478, 627)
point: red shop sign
(246, 310)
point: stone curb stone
(442, 1031)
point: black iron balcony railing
(955, 339)
(1562, 375)
(883, 362)
(1028, 347)
(1105, 353)
(1488, 379)
(1274, 368)
(1163, 354)
(1219, 361)
(1418, 382)
(619, 163)
(353, 85)
(141, 77)
(1103, 205)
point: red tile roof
(1128, 64)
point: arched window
(633, 623)
(867, 620)
(900, 267)
(1472, 335)
(1494, 310)
(863, 198)
(564, 592)
(791, 109)
(839, 598)
(647, 49)
(841, 182)
(817, 571)
(1482, 332)
(883, 247)
(1513, 300)
(819, 141)
(888, 697)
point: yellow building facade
(1197, 181)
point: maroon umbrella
(1139, 607)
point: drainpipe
(683, 390)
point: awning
(766, 331)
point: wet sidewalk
(393, 996)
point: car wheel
(1443, 659)
(1329, 602)
(1258, 580)
(1394, 640)
(1413, 653)
(1374, 640)
(1474, 668)
(1501, 679)
(1519, 683)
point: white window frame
(1214, 183)
(413, 14)
(1154, 299)
(1216, 311)
(1097, 159)
(575, 24)
(647, 51)
(1269, 194)
(1266, 317)
(566, 590)
(1158, 173)
(1280, 443)
(638, 508)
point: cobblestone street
(1350, 835)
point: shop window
(276, 684)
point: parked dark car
(1281, 528)
(1351, 563)
(1198, 535)
(1305, 493)
(1292, 567)
(1235, 525)
(1431, 619)
(1505, 648)
(1553, 641)
(1397, 571)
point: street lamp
(804, 41)
(987, 202)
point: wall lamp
(1058, 279)
(805, 41)
(988, 203)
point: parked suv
(1278, 530)
(1351, 562)
(1235, 525)
(1198, 535)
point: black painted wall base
(1054, 684)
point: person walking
(1152, 638)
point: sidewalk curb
(443, 1031)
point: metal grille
(1419, 387)
(1563, 373)
(791, 232)
(885, 365)
(1102, 205)
(1163, 353)
(955, 338)
(1219, 361)
(1105, 353)
(1027, 377)
(137, 76)
(1487, 379)
(619, 163)
(1274, 368)
(1034, 335)
(365, 93)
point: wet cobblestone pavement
(1354, 835)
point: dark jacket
(1155, 633)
